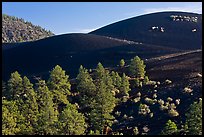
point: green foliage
(71, 121)
(48, 114)
(85, 86)
(194, 119)
(28, 107)
(144, 109)
(59, 85)
(124, 89)
(91, 132)
(102, 107)
(137, 83)
(9, 118)
(170, 128)
(146, 80)
(100, 71)
(122, 63)
(104, 100)
(15, 85)
(137, 67)
(116, 79)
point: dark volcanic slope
(185, 32)
(70, 51)
(181, 69)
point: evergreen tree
(170, 128)
(116, 79)
(59, 85)
(102, 107)
(137, 67)
(48, 114)
(9, 118)
(28, 106)
(71, 121)
(124, 89)
(100, 71)
(103, 75)
(15, 85)
(194, 119)
(85, 86)
(122, 63)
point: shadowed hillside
(72, 50)
(173, 29)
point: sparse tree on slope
(116, 79)
(137, 67)
(122, 63)
(124, 89)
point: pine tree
(122, 63)
(15, 85)
(59, 85)
(102, 107)
(124, 89)
(85, 86)
(170, 128)
(28, 106)
(137, 67)
(116, 79)
(9, 118)
(71, 121)
(48, 114)
(194, 119)
(100, 71)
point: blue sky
(83, 17)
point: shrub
(173, 113)
(125, 98)
(135, 131)
(169, 99)
(187, 90)
(137, 99)
(151, 115)
(168, 81)
(117, 113)
(161, 102)
(172, 106)
(149, 101)
(154, 95)
(144, 109)
(162, 107)
(138, 94)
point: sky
(83, 17)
